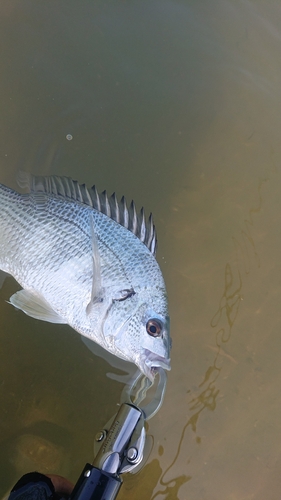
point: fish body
(86, 260)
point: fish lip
(152, 361)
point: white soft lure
(87, 260)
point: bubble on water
(69, 137)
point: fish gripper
(119, 448)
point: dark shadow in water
(47, 431)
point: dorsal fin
(110, 206)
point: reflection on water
(177, 105)
(222, 322)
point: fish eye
(154, 327)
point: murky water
(177, 105)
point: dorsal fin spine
(115, 213)
(134, 220)
(150, 231)
(95, 199)
(105, 208)
(142, 225)
(118, 211)
(125, 213)
(78, 191)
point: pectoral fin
(96, 292)
(34, 306)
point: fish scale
(80, 266)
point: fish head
(137, 329)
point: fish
(85, 259)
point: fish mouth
(151, 362)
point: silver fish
(85, 259)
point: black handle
(94, 484)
